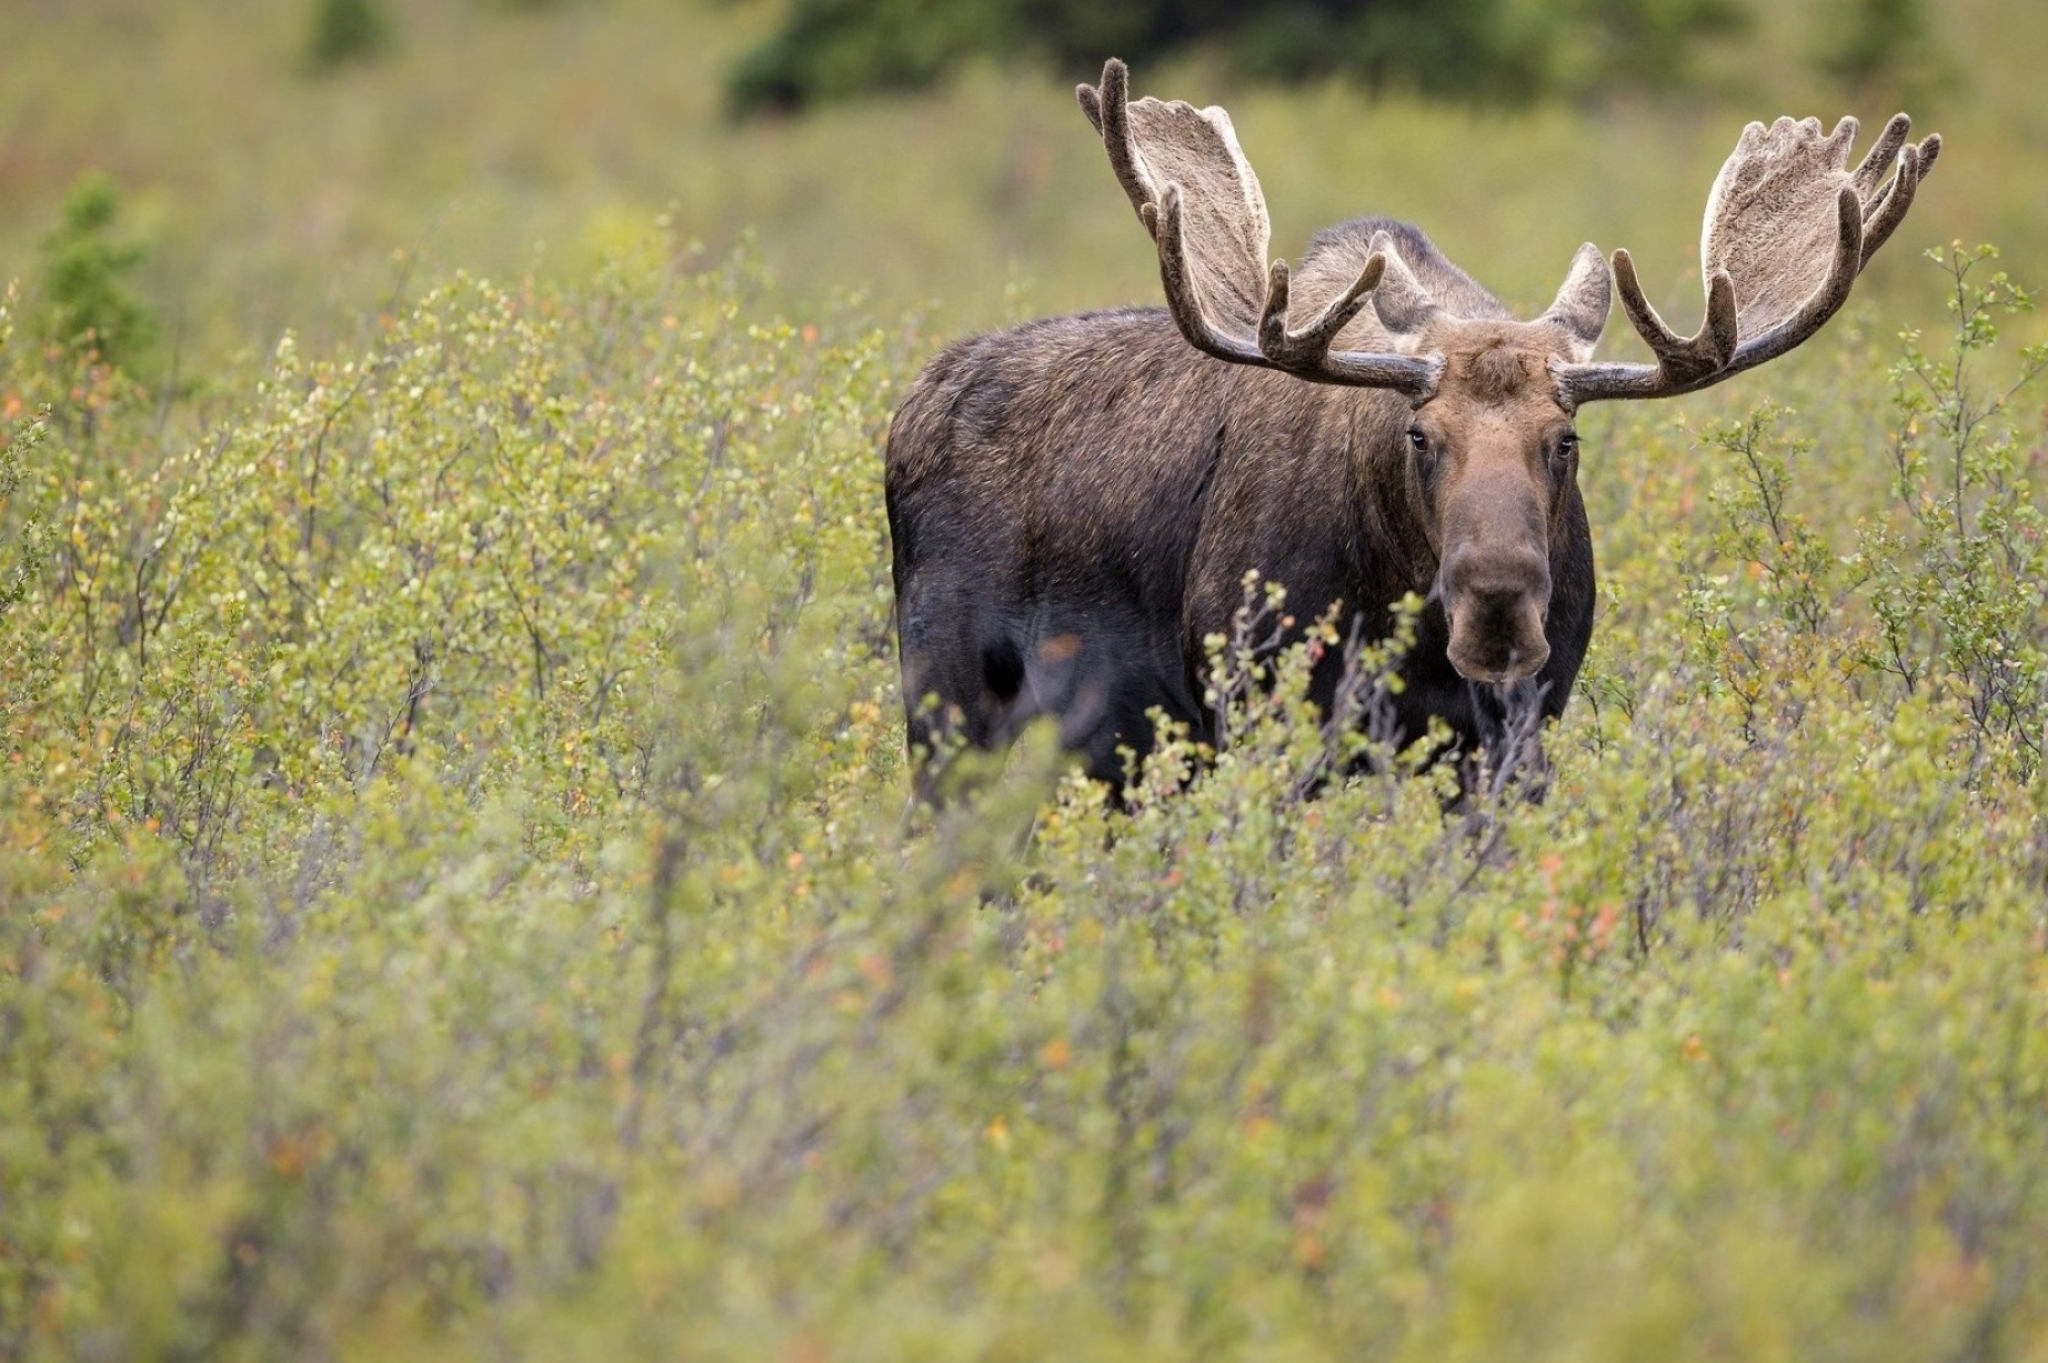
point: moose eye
(1425, 457)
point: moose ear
(1581, 306)
(1404, 305)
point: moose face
(1491, 458)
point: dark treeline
(1489, 51)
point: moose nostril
(1495, 600)
(1507, 613)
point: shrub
(1969, 527)
(92, 307)
(462, 900)
(345, 32)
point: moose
(1074, 504)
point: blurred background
(202, 177)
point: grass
(458, 892)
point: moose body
(1074, 504)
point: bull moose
(1075, 503)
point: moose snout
(1496, 609)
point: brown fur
(1499, 372)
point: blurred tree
(85, 277)
(1481, 51)
(831, 49)
(346, 31)
(1879, 46)
(1649, 43)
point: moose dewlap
(1074, 503)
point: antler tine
(1870, 171)
(1090, 100)
(1307, 352)
(1109, 110)
(1884, 219)
(1684, 358)
(1313, 341)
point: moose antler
(1788, 228)
(1198, 197)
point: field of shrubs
(460, 889)
(462, 895)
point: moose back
(1074, 503)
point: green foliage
(1938, 594)
(833, 49)
(22, 518)
(85, 281)
(462, 900)
(1645, 45)
(412, 945)
(1880, 47)
(1478, 51)
(345, 32)
(1965, 479)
